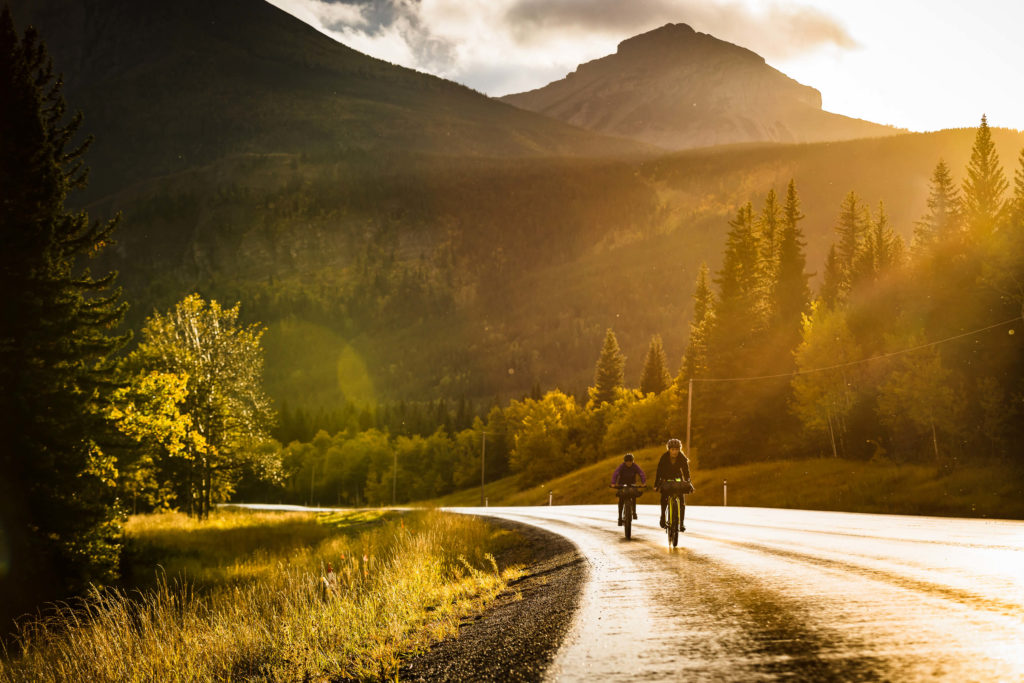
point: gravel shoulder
(517, 637)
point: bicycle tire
(673, 527)
(627, 519)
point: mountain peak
(677, 88)
(672, 39)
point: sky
(919, 65)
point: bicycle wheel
(670, 523)
(627, 517)
(673, 536)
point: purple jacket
(627, 475)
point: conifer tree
(831, 280)
(1016, 213)
(851, 227)
(609, 374)
(739, 279)
(56, 318)
(942, 222)
(881, 250)
(655, 378)
(769, 235)
(695, 357)
(791, 294)
(984, 186)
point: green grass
(823, 484)
(241, 597)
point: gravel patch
(514, 639)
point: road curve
(754, 594)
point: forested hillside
(905, 350)
(390, 278)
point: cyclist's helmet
(628, 457)
(674, 443)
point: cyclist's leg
(664, 501)
(620, 510)
(682, 513)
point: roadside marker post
(725, 493)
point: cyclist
(673, 465)
(626, 473)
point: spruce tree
(695, 357)
(792, 296)
(831, 280)
(655, 378)
(851, 227)
(56, 480)
(881, 250)
(739, 278)
(769, 235)
(942, 222)
(609, 374)
(1016, 213)
(984, 186)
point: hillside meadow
(819, 484)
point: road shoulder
(516, 638)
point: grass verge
(820, 484)
(242, 597)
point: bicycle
(675, 488)
(628, 493)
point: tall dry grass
(267, 614)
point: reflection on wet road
(755, 594)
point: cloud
(778, 31)
(501, 46)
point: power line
(858, 362)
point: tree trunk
(832, 434)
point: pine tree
(738, 316)
(609, 374)
(881, 251)
(791, 294)
(56, 481)
(1016, 213)
(769, 235)
(695, 359)
(984, 186)
(739, 279)
(851, 227)
(942, 222)
(831, 280)
(655, 378)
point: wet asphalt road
(756, 594)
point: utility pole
(689, 412)
(483, 461)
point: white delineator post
(725, 493)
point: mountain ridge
(167, 86)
